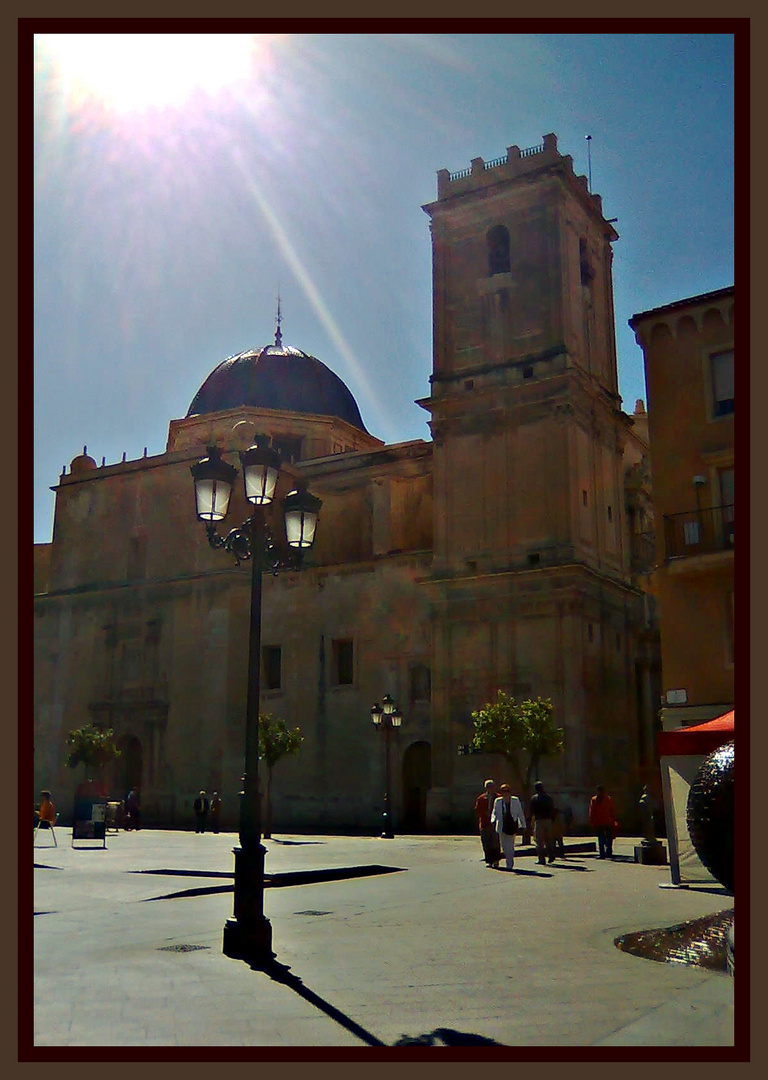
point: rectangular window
(610, 513)
(691, 532)
(289, 448)
(420, 680)
(272, 666)
(727, 479)
(584, 499)
(343, 662)
(721, 364)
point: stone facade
(689, 368)
(506, 553)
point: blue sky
(163, 229)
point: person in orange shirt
(47, 812)
(602, 818)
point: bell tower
(531, 555)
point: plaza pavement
(523, 959)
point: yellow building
(503, 554)
(689, 369)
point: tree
(513, 729)
(91, 747)
(276, 741)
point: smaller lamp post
(385, 717)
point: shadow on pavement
(282, 974)
(271, 881)
(440, 1036)
(293, 843)
(446, 1037)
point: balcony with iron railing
(699, 532)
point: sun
(136, 72)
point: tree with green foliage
(518, 731)
(276, 740)
(91, 747)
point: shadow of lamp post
(385, 717)
(271, 544)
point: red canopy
(698, 738)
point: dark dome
(276, 377)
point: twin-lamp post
(271, 544)
(386, 716)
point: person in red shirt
(488, 835)
(602, 818)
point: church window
(421, 683)
(497, 239)
(585, 267)
(343, 662)
(289, 448)
(272, 664)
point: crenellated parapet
(514, 164)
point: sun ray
(311, 292)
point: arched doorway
(417, 780)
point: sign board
(89, 820)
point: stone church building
(507, 552)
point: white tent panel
(677, 775)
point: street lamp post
(248, 935)
(386, 717)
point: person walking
(200, 807)
(132, 811)
(508, 818)
(602, 818)
(541, 809)
(488, 836)
(215, 812)
(558, 833)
